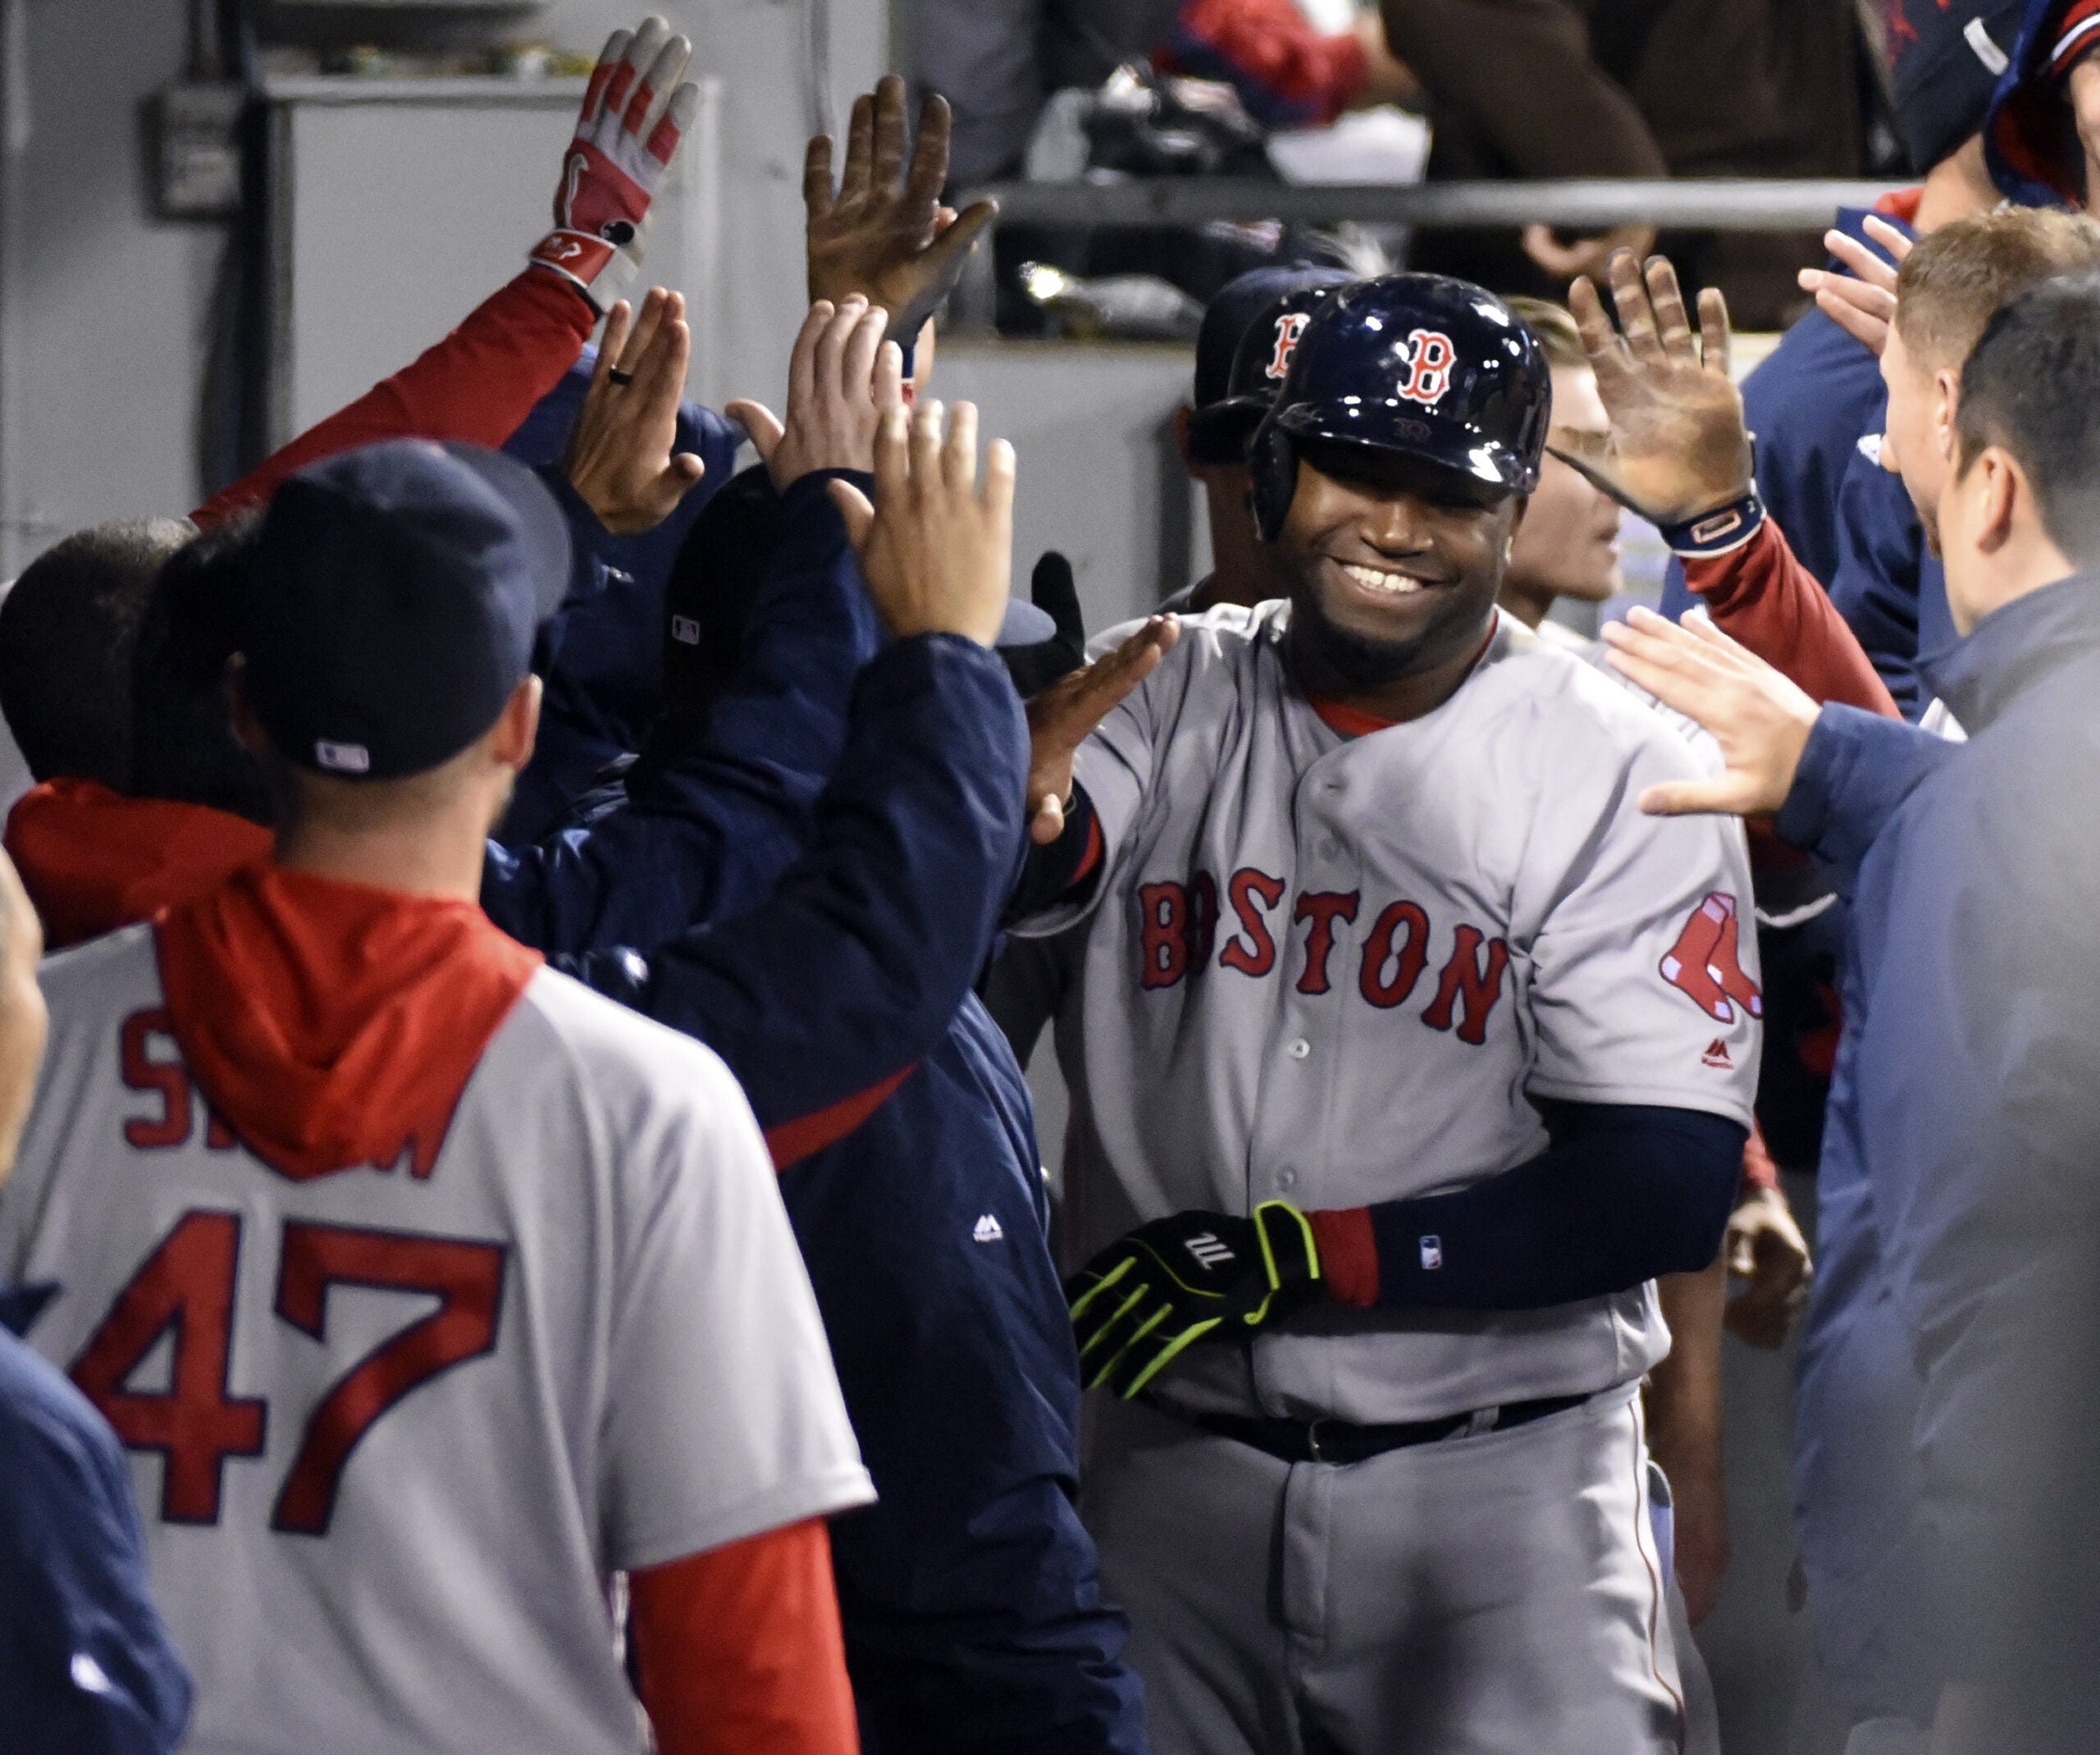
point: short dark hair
(186, 750)
(2031, 385)
(67, 631)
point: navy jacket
(1976, 1074)
(606, 684)
(712, 826)
(86, 1667)
(827, 866)
(1889, 587)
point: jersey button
(1299, 1048)
(1286, 1178)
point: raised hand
(880, 233)
(620, 458)
(1063, 716)
(936, 546)
(842, 380)
(1678, 446)
(1761, 719)
(1863, 303)
(635, 112)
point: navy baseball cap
(393, 602)
(1944, 63)
(1222, 421)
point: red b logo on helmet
(1431, 357)
(1290, 326)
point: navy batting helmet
(1429, 368)
(1255, 353)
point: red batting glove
(624, 140)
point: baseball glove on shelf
(1138, 1303)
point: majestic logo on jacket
(1702, 964)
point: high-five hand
(1678, 446)
(936, 546)
(1863, 303)
(1063, 716)
(621, 458)
(635, 112)
(880, 233)
(1759, 718)
(842, 380)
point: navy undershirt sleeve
(1622, 1195)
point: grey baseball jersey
(1341, 970)
(391, 1435)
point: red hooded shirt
(93, 859)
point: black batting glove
(1034, 668)
(1144, 1300)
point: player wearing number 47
(1397, 1084)
(425, 1288)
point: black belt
(1325, 1441)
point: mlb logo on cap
(342, 758)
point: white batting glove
(625, 136)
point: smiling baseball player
(1411, 1052)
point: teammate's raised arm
(882, 232)
(842, 379)
(1678, 447)
(622, 459)
(938, 545)
(480, 383)
(636, 109)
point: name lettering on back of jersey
(1177, 931)
(1703, 965)
(170, 1082)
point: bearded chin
(1359, 662)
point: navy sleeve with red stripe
(823, 996)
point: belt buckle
(1312, 1439)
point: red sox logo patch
(1290, 326)
(1702, 964)
(1431, 357)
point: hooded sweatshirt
(93, 859)
(332, 1024)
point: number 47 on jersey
(186, 1287)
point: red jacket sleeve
(479, 384)
(1762, 596)
(738, 1651)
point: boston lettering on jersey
(1178, 926)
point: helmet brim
(1396, 427)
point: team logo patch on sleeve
(1702, 965)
